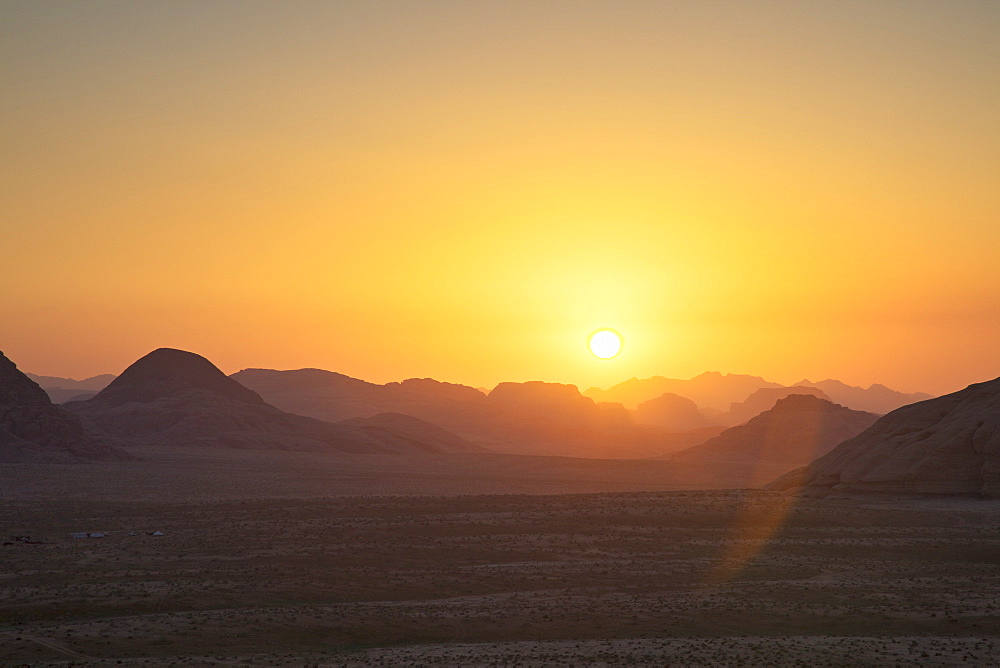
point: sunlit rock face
(949, 446)
(32, 427)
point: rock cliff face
(949, 446)
(176, 398)
(795, 431)
(32, 427)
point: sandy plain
(288, 560)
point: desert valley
(175, 515)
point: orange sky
(466, 190)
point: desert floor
(287, 560)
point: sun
(605, 343)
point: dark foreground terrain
(309, 572)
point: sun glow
(605, 344)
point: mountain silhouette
(874, 399)
(556, 402)
(762, 400)
(92, 384)
(708, 390)
(32, 427)
(799, 428)
(533, 418)
(328, 395)
(61, 390)
(431, 389)
(949, 445)
(167, 372)
(715, 393)
(177, 398)
(672, 411)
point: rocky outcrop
(176, 398)
(795, 431)
(32, 427)
(944, 446)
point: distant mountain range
(526, 418)
(551, 418)
(522, 418)
(61, 390)
(874, 399)
(94, 383)
(176, 398)
(714, 392)
(949, 446)
(711, 389)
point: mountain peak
(168, 371)
(802, 402)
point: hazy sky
(466, 190)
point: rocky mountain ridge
(947, 446)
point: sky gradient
(466, 190)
